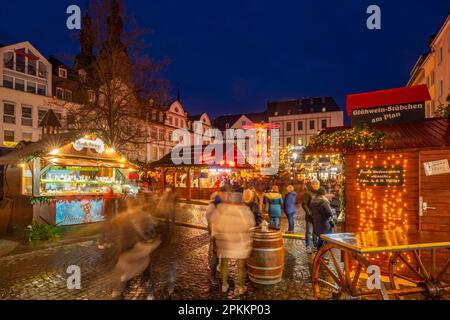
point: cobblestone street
(178, 270)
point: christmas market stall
(199, 174)
(396, 197)
(64, 179)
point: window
(155, 153)
(9, 113)
(288, 141)
(170, 120)
(9, 136)
(439, 55)
(60, 93)
(181, 123)
(27, 136)
(312, 125)
(27, 116)
(32, 64)
(300, 141)
(41, 114)
(432, 78)
(161, 152)
(8, 82)
(42, 90)
(20, 85)
(154, 133)
(300, 126)
(288, 126)
(324, 124)
(176, 122)
(20, 60)
(42, 73)
(162, 134)
(62, 73)
(68, 95)
(244, 123)
(31, 87)
(8, 60)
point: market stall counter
(65, 179)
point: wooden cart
(419, 264)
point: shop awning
(387, 98)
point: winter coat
(290, 203)
(231, 229)
(257, 215)
(274, 202)
(306, 204)
(321, 214)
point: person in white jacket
(232, 222)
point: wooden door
(434, 193)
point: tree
(443, 110)
(118, 82)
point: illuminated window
(27, 116)
(62, 73)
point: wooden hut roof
(198, 160)
(431, 133)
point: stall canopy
(202, 158)
(59, 150)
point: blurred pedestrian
(168, 203)
(322, 215)
(290, 207)
(273, 202)
(252, 201)
(232, 222)
(309, 223)
(212, 252)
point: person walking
(212, 252)
(273, 201)
(309, 224)
(322, 215)
(252, 201)
(231, 223)
(168, 203)
(290, 207)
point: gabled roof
(221, 122)
(50, 120)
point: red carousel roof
(387, 97)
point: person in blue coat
(273, 202)
(290, 207)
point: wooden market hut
(403, 181)
(197, 164)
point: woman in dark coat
(321, 215)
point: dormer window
(62, 73)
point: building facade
(433, 69)
(26, 93)
(300, 119)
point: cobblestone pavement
(178, 270)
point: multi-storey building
(26, 93)
(300, 119)
(433, 69)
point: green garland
(39, 200)
(350, 139)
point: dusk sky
(230, 56)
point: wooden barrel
(266, 264)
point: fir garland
(350, 139)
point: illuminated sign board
(387, 115)
(381, 176)
(98, 145)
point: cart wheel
(332, 279)
(418, 276)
